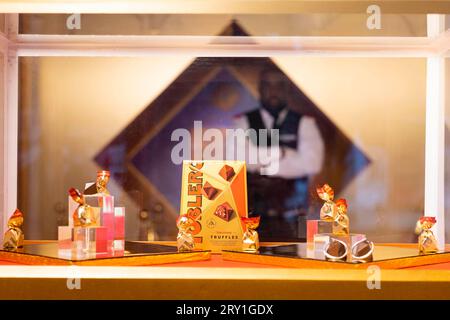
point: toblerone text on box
(214, 195)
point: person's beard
(273, 108)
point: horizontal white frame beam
(221, 6)
(100, 45)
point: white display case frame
(435, 47)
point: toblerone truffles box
(214, 195)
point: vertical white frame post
(435, 133)
(11, 121)
(4, 43)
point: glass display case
(365, 88)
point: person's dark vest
(288, 129)
(274, 193)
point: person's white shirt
(306, 160)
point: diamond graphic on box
(224, 211)
(95, 225)
(214, 197)
(227, 172)
(209, 191)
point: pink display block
(86, 239)
(109, 226)
(72, 207)
(314, 227)
(119, 223)
(65, 236)
(102, 204)
(106, 209)
(108, 222)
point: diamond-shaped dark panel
(213, 90)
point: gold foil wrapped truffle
(13, 238)
(84, 215)
(342, 223)
(250, 238)
(102, 181)
(328, 211)
(185, 239)
(427, 240)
